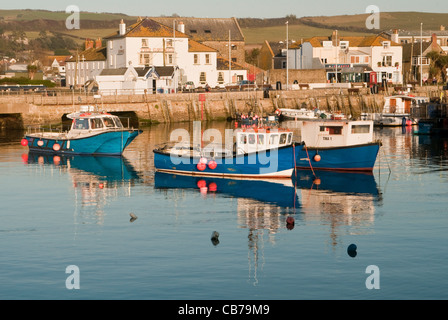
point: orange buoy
(201, 184)
(201, 166)
(213, 187)
(101, 185)
(40, 143)
(56, 160)
(212, 164)
(317, 158)
(24, 142)
(56, 147)
(317, 182)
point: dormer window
(193, 31)
(386, 44)
(344, 45)
(207, 31)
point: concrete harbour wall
(38, 109)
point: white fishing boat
(397, 111)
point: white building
(83, 67)
(353, 59)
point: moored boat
(256, 153)
(92, 132)
(338, 145)
(397, 111)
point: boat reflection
(96, 180)
(276, 192)
(341, 200)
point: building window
(170, 58)
(111, 44)
(196, 59)
(169, 42)
(144, 43)
(193, 31)
(324, 60)
(366, 59)
(207, 31)
(386, 45)
(203, 78)
(233, 59)
(387, 61)
(234, 47)
(220, 77)
(207, 59)
(145, 59)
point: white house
(352, 59)
(85, 66)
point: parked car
(188, 86)
(247, 85)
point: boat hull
(275, 163)
(104, 143)
(353, 158)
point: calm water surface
(59, 212)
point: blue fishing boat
(92, 132)
(338, 145)
(256, 153)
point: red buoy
(24, 142)
(201, 184)
(408, 122)
(201, 166)
(212, 187)
(56, 147)
(212, 164)
(317, 158)
(56, 160)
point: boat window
(260, 139)
(118, 123)
(252, 138)
(357, 128)
(332, 130)
(243, 139)
(81, 123)
(289, 138)
(283, 138)
(96, 123)
(273, 139)
(108, 122)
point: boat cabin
(331, 133)
(254, 140)
(402, 104)
(90, 120)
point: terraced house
(151, 57)
(371, 59)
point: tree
(438, 64)
(32, 69)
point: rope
(309, 160)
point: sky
(232, 8)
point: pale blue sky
(233, 8)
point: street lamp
(230, 61)
(287, 60)
(421, 54)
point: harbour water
(63, 214)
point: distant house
(350, 59)
(272, 55)
(84, 66)
(414, 36)
(415, 60)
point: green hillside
(29, 14)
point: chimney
(98, 43)
(394, 37)
(122, 28)
(181, 27)
(442, 28)
(334, 38)
(434, 38)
